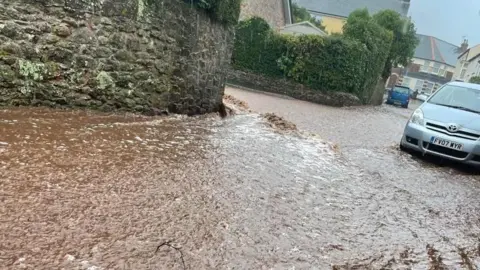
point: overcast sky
(449, 20)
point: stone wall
(270, 10)
(112, 54)
(291, 89)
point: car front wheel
(403, 148)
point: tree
(404, 39)
(301, 14)
(378, 40)
(475, 79)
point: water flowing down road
(82, 190)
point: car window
(457, 96)
(401, 90)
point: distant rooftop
(434, 49)
(343, 8)
(302, 28)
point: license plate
(446, 143)
(397, 103)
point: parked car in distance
(399, 95)
(447, 124)
(423, 96)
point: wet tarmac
(390, 210)
(84, 190)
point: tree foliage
(404, 39)
(378, 41)
(475, 79)
(301, 14)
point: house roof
(305, 28)
(343, 8)
(434, 49)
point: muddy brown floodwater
(82, 190)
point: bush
(378, 41)
(329, 64)
(475, 79)
(336, 63)
(257, 48)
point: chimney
(463, 46)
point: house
(468, 64)
(334, 13)
(277, 13)
(302, 28)
(433, 65)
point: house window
(425, 66)
(462, 75)
(441, 72)
(428, 87)
(436, 68)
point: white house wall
(472, 69)
(466, 70)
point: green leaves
(301, 14)
(475, 79)
(404, 39)
(362, 27)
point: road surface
(84, 190)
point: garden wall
(136, 55)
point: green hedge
(335, 63)
(257, 48)
(329, 64)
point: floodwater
(83, 190)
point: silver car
(447, 124)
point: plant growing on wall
(225, 11)
(31, 72)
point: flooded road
(389, 210)
(84, 190)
